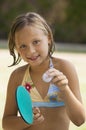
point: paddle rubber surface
(24, 104)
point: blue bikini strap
(51, 64)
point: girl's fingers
(59, 78)
(37, 116)
(36, 110)
(53, 72)
(40, 119)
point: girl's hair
(32, 19)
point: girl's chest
(41, 86)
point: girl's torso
(55, 117)
(42, 94)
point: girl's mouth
(34, 58)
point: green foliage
(10, 9)
(73, 29)
(67, 17)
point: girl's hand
(38, 118)
(59, 79)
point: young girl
(54, 83)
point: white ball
(46, 78)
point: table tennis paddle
(24, 103)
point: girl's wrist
(64, 87)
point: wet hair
(30, 19)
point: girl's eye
(23, 46)
(36, 42)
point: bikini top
(52, 99)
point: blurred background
(67, 19)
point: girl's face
(32, 45)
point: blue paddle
(24, 104)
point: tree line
(67, 18)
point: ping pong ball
(46, 78)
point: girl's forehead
(29, 33)
(31, 30)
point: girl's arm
(14, 122)
(67, 81)
(10, 119)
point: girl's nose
(31, 49)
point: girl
(55, 94)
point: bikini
(52, 99)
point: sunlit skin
(33, 46)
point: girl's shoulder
(69, 70)
(63, 65)
(20, 70)
(18, 73)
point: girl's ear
(49, 40)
